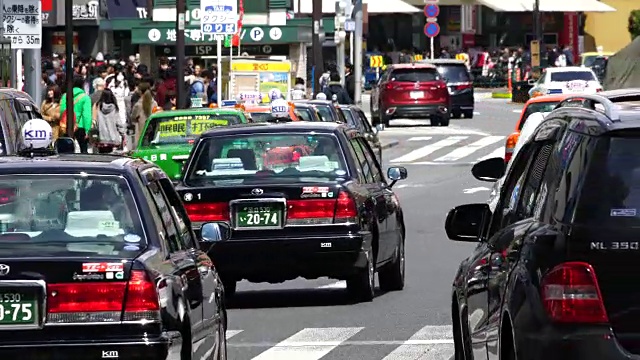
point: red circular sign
(431, 10)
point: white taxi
(565, 80)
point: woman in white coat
(120, 89)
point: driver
(100, 196)
(326, 147)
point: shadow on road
(265, 299)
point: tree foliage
(634, 23)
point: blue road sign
(432, 29)
(219, 17)
(431, 10)
(350, 26)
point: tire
(375, 117)
(462, 345)
(507, 346)
(456, 114)
(185, 350)
(229, 288)
(391, 277)
(361, 286)
(385, 120)
(222, 334)
(468, 114)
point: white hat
(99, 57)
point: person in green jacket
(82, 110)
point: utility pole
(318, 63)
(340, 37)
(68, 50)
(181, 8)
(357, 52)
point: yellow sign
(418, 57)
(376, 61)
(535, 53)
(259, 66)
(197, 125)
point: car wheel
(462, 345)
(385, 120)
(440, 120)
(222, 340)
(362, 285)
(391, 277)
(229, 288)
(468, 114)
(185, 325)
(456, 114)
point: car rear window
(564, 76)
(259, 158)
(611, 194)
(543, 107)
(262, 117)
(178, 128)
(304, 114)
(414, 75)
(454, 73)
(351, 121)
(325, 113)
(59, 215)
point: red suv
(411, 91)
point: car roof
(567, 69)
(264, 128)
(11, 93)
(444, 61)
(547, 98)
(116, 164)
(418, 65)
(178, 112)
(314, 102)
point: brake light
(571, 294)
(322, 211)
(598, 89)
(102, 302)
(510, 146)
(208, 212)
(389, 86)
(463, 86)
(8, 195)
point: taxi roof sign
(37, 134)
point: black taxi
(303, 199)
(98, 260)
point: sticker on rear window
(102, 267)
(341, 172)
(131, 248)
(132, 238)
(623, 212)
(108, 225)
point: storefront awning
(527, 5)
(506, 5)
(574, 6)
(374, 7)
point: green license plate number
(18, 308)
(259, 216)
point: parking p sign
(219, 17)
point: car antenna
(36, 136)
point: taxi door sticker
(196, 125)
(172, 128)
(102, 267)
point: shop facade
(86, 35)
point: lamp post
(339, 37)
(68, 49)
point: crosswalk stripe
(499, 152)
(423, 342)
(309, 344)
(420, 138)
(428, 149)
(232, 333)
(467, 150)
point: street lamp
(339, 36)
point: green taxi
(168, 136)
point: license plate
(263, 215)
(416, 94)
(18, 308)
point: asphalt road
(311, 320)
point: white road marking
(476, 113)
(232, 333)
(467, 150)
(336, 285)
(517, 111)
(431, 130)
(422, 344)
(309, 344)
(420, 138)
(475, 190)
(428, 149)
(499, 152)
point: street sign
(22, 23)
(431, 10)
(376, 61)
(219, 17)
(432, 29)
(350, 26)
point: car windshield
(325, 113)
(178, 128)
(454, 73)
(79, 215)
(258, 158)
(564, 76)
(304, 114)
(414, 75)
(589, 59)
(543, 107)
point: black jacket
(350, 85)
(335, 88)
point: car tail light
(389, 86)
(208, 212)
(510, 146)
(322, 211)
(102, 302)
(459, 87)
(571, 294)
(8, 195)
(598, 89)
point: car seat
(247, 156)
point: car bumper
(277, 260)
(166, 346)
(557, 344)
(416, 111)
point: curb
(390, 144)
(499, 95)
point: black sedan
(98, 260)
(356, 119)
(328, 110)
(303, 199)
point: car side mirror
(215, 232)
(489, 170)
(465, 222)
(65, 145)
(531, 81)
(396, 173)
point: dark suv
(460, 84)
(410, 91)
(555, 270)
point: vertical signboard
(431, 28)
(219, 17)
(22, 22)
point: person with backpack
(334, 87)
(81, 112)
